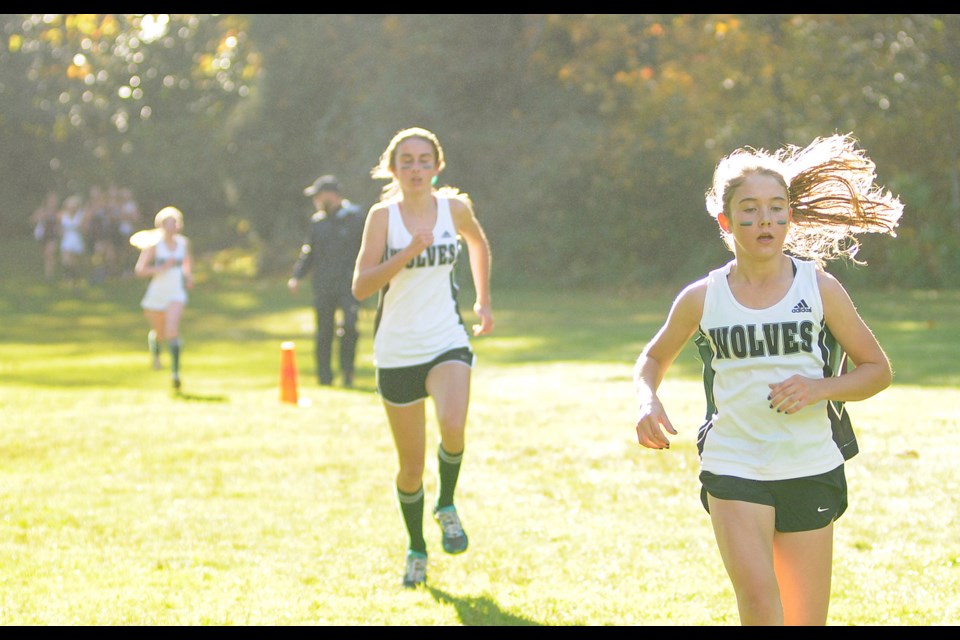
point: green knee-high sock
(152, 344)
(449, 466)
(174, 344)
(411, 508)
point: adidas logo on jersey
(801, 307)
(447, 234)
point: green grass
(123, 504)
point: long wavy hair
(830, 188)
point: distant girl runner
(770, 326)
(165, 258)
(46, 221)
(421, 347)
(73, 246)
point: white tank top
(164, 252)
(417, 313)
(743, 351)
(71, 239)
(167, 286)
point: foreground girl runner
(768, 325)
(421, 348)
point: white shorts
(72, 242)
(164, 290)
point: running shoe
(416, 572)
(454, 537)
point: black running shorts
(801, 504)
(406, 385)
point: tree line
(586, 141)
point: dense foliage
(586, 141)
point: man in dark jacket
(328, 256)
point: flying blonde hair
(830, 188)
(150, 237)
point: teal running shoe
(454, 537)
(416, 572)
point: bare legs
(779, 578)
(165, 328)
(449, 385)
(50, 260)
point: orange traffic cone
(288, 374)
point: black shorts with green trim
(800, 504)
(406, 385)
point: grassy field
(124, 504)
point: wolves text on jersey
(434, 255)
(771, 339)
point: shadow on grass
(916, 328)
(365, 388)
(196, 397)
(481, 612)
(48, 314)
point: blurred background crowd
(84, 238)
